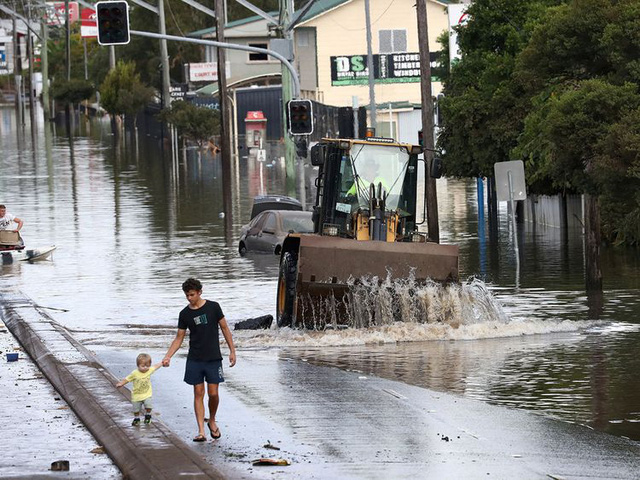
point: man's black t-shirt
(204, 340)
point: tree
(581, 71)
(194, 123)
(73, 91)
(122, 92)
(484, 108)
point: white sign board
(510, 174)
(203, 72)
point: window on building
(258, 57)
(392, 41)
(303, 37)
(386, 129)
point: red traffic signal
(113, 23)
(300, 117)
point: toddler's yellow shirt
(141, 384)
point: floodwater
(131, 223)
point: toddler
(141, 395)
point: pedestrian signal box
(113, 23)
(300, 117)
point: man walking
(204, 360)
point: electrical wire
(175, 21)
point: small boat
(11, 255)
(12, 249)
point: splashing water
(371, 303)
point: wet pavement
(38, 427)
(332, 423)
(141, 453)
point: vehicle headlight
(418, 237)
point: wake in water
(403, 311)
(370, 303)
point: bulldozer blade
(328, 265)
(329, 260)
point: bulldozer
(365, 225)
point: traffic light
(113, 23)
(300, 117)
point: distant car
(274, 202)
(266, 232)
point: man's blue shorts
(197, 372)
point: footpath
(34, 413)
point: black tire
(242, 249)
(285, 299)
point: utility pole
(45, 69)
(427, 120)
(164, 57)
(68, 39)
(225, 122)
(286, 11)
(17, 67)
(32, 99)
(372, 89)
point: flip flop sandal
(200, 438)
(214, 434)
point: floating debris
(60, 466)
(271, 462)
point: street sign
(178, 91)
(510, 177)
(89, 25)
(55, 13)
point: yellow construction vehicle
(365, 225)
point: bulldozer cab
(359, 177)
(365, 228)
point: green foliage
(484, 108)
(122, 92)
(554, 82)
(58, 56)
(73, 91)
(194, 123)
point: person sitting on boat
(6, 219)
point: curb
(152, 452)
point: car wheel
(285, 299)
(242, 249)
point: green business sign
(387, 68)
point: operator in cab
(370, 174)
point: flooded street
(130, 224)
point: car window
(297, 223)
(257, 222)
(269, 223)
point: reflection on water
(131, 222)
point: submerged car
(266, 232)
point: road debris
(271, 462)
